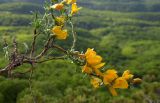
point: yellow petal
(94, 60)
(109, 76)
(74, 8)
(96, 82)
(90, 52)
(120, 83)
(107, 79)
(87, 69)
(98, 72)
(62, 35)
(111, 71)
(99, 65)
(127, 75)
(56, 29)
(59, 6)
(112, 91)
(59, 33)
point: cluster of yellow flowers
(60, 6)
(109, 78)
(58, 30)
(94, 64)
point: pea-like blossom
(74, 8)
(59, 33)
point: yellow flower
(111, 72)
(98, 66)
(127, 75)
(74, 8)
(96, 82)
(87, 69)
(98, 72)
(93, 61)
(109, 76)
(112, 91)
(58, 6)
(137, 81)
(70, 1)
(111, 79)
(90, 52)
(60, 20)
(59, 33)
(92, 58)
(120, 83)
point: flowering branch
(53, 26)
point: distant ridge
(113, 5)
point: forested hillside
(115, 5)
(125, 32)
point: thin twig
(59, 48)
(53, 58)
(46, 47)
(33, 43)
(30, 84)
(74, 36)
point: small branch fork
(31, 57)
(17, 59)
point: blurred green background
(125, 32)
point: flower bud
(137, 81)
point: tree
(53, 27)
